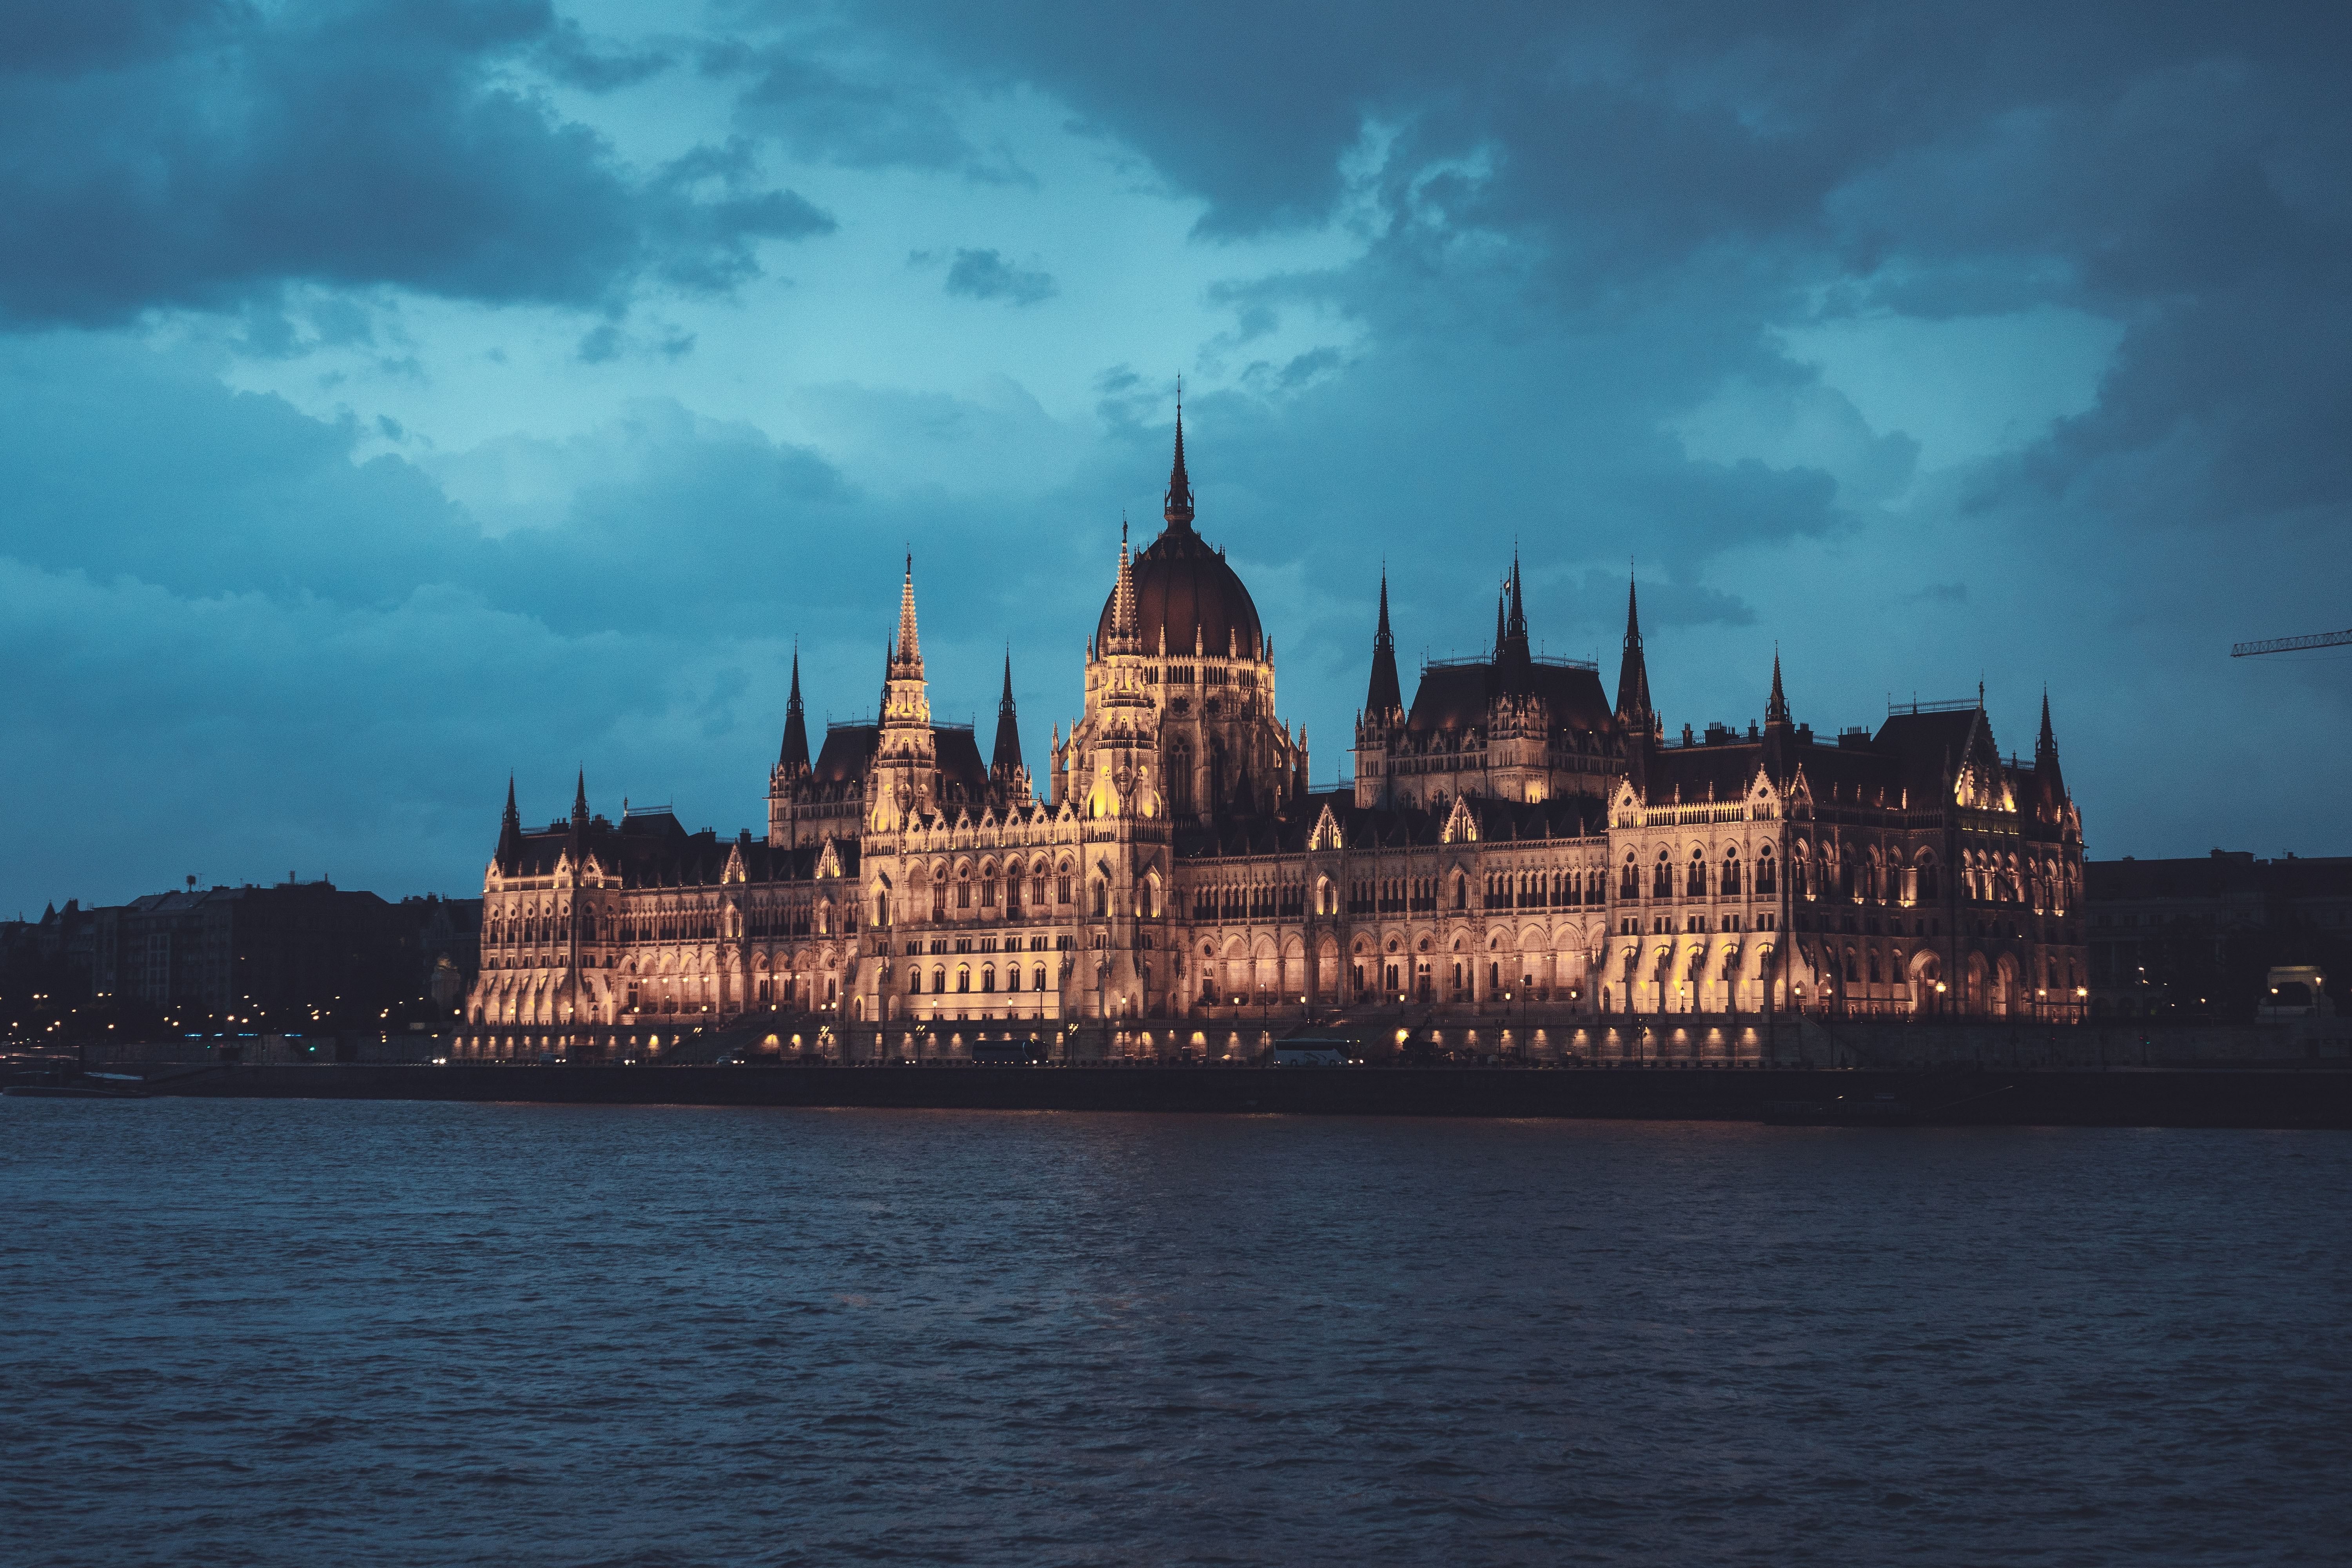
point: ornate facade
(1520, 864)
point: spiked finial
(794, 752)
(1633, 710)
(1775, 711)
(1384, 695)
(580, 800)
(1125, 636)
(909, 654)
(1008, 734)
(509, 828)
(2046, 743)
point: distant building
(1516, 852)
(2198, 937)
(294, 947)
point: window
(963, 895)
(1062, 889)
(1696, 887)
(1013, 977)
(988, 977)
(1663, 883)
(963, 977)
(1038, 978)
(1731, 873)
(938, 978)
(1630, 885)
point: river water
(317, 1332)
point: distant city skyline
(390, 400)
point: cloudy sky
(394, 394)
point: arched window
(963, 889)
(1629, 885)
(1661, 884)
(1695, 886)
(1101, 896)
(963, 977)
(1731, 871)
(1013, 977)
(1038, 978)
(938, 978)
(1926, 881)
(1461, 891)
(1062, 887)
(988, 977)
(915, 981)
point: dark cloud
(826, 113)
(1576, 225)
(986, 275)
(211, 153)
(569, 54)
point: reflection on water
(313, 1333)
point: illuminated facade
(1520, 864)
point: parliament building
(1522, 866)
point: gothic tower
(906, 759)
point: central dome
(1181, 584)
(1185, 591)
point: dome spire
(1179, 511)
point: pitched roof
(1454, 695)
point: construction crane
(2291, 645)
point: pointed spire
(1384, 697)
(1633, 709)
(1515, 666)
(580, 800)
(909, 654)
(1776, 710)
(1007, 759)
(2046, 743)
(795, 752)
(1123, 635)
(1179, 509)
(509, 828)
